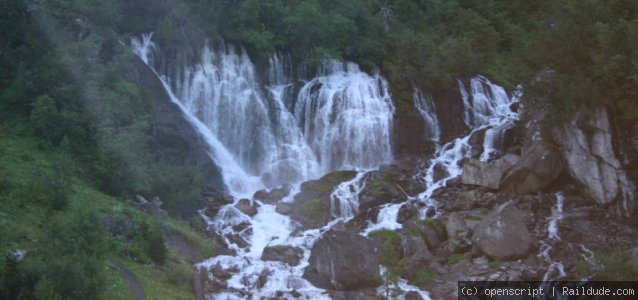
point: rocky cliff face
(174, 139)
(586, 145)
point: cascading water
(425, 106)
(342, 120)
(487, 106)
(555, 269)
(346, 117)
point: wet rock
(215, 204)
(283, 208)
(263, 277)
(247, 207)
(412, 295)
(539, 166)
(439, 173)
(286, 254)
(502, 234)
(274, 195)
(487, 174)
(407, 212)
(238, 240)
(311, 206)
(343, 261)
(362, 219)
(379, 191)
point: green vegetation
(455, 258)
(495, 263)
(425, 276)
(314, 207)
(70, 248)
(74, 127)
(612, 266)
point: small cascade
(346, 117)
(555, 269)
(493, 109)
(425, 106)
(344, 200)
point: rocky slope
(548, 205)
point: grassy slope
(23, 223)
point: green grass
(25, 222)
(156, 283)
(495, 263)
(424, 276)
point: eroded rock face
(586, 145)
(503, 234)
(539, 165)
(487, 174)
(343, 261)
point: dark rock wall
(174, 139)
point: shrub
(180, 274)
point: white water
(346, 117)
(555, 269)
(487, 105)
(342, 120)
(425, 106)
(344, 200)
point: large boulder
(503, 234)
(540, 164)
(342, 260)
(487, 174)
(586, 145)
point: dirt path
(138, 291)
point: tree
(44, 117)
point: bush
(153, 244)
(180, 274)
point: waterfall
(262, 136)
(346, 117)
(486, 106)
(425, 106)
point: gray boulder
(503, 234)
(540, 164)
(487, 174)
(343, 261)
(286, 254)
(457, 233)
